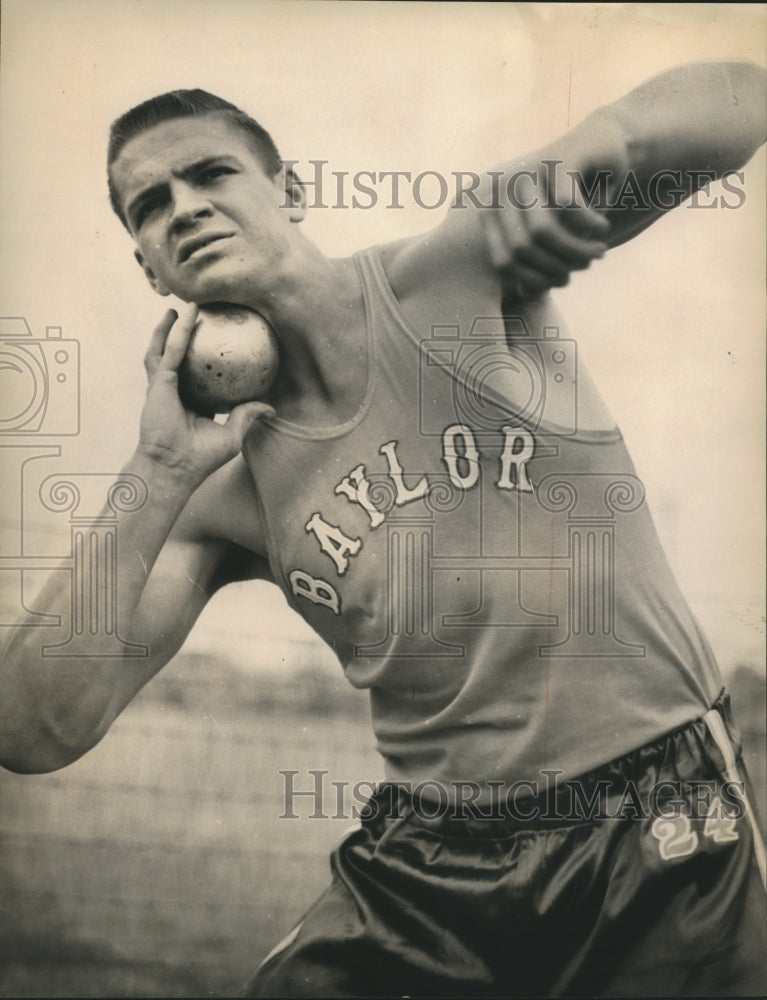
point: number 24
(677, 839)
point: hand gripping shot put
(232, 358)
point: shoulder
(445, 274)
(452, 252)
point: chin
(213, 290)
(223, 281)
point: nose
(188, 204)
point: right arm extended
(54, 709)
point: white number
(675, 837)
(719, 826)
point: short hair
(183, 104)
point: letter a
(333, 542)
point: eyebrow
(185, 173)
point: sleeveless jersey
(494, 579)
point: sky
(671, 325)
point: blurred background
(158, 865)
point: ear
(153, 280)
(295, 196)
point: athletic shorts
(644, 878)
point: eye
(212, 173)
(144, 210)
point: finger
(576, 251)
(244, 416)
(576, 214)
(579, 216)
(525, 271)
(548, 264)
(586, 222)
(178, 339)
(157, 342)
(525, 283)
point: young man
(437, 487)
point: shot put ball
(232, 358)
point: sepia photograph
(382, 499)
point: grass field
(158, 865)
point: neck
(317, 312)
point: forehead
(174, 145)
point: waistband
(681, 769)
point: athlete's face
(209, 224)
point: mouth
(195, 243)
